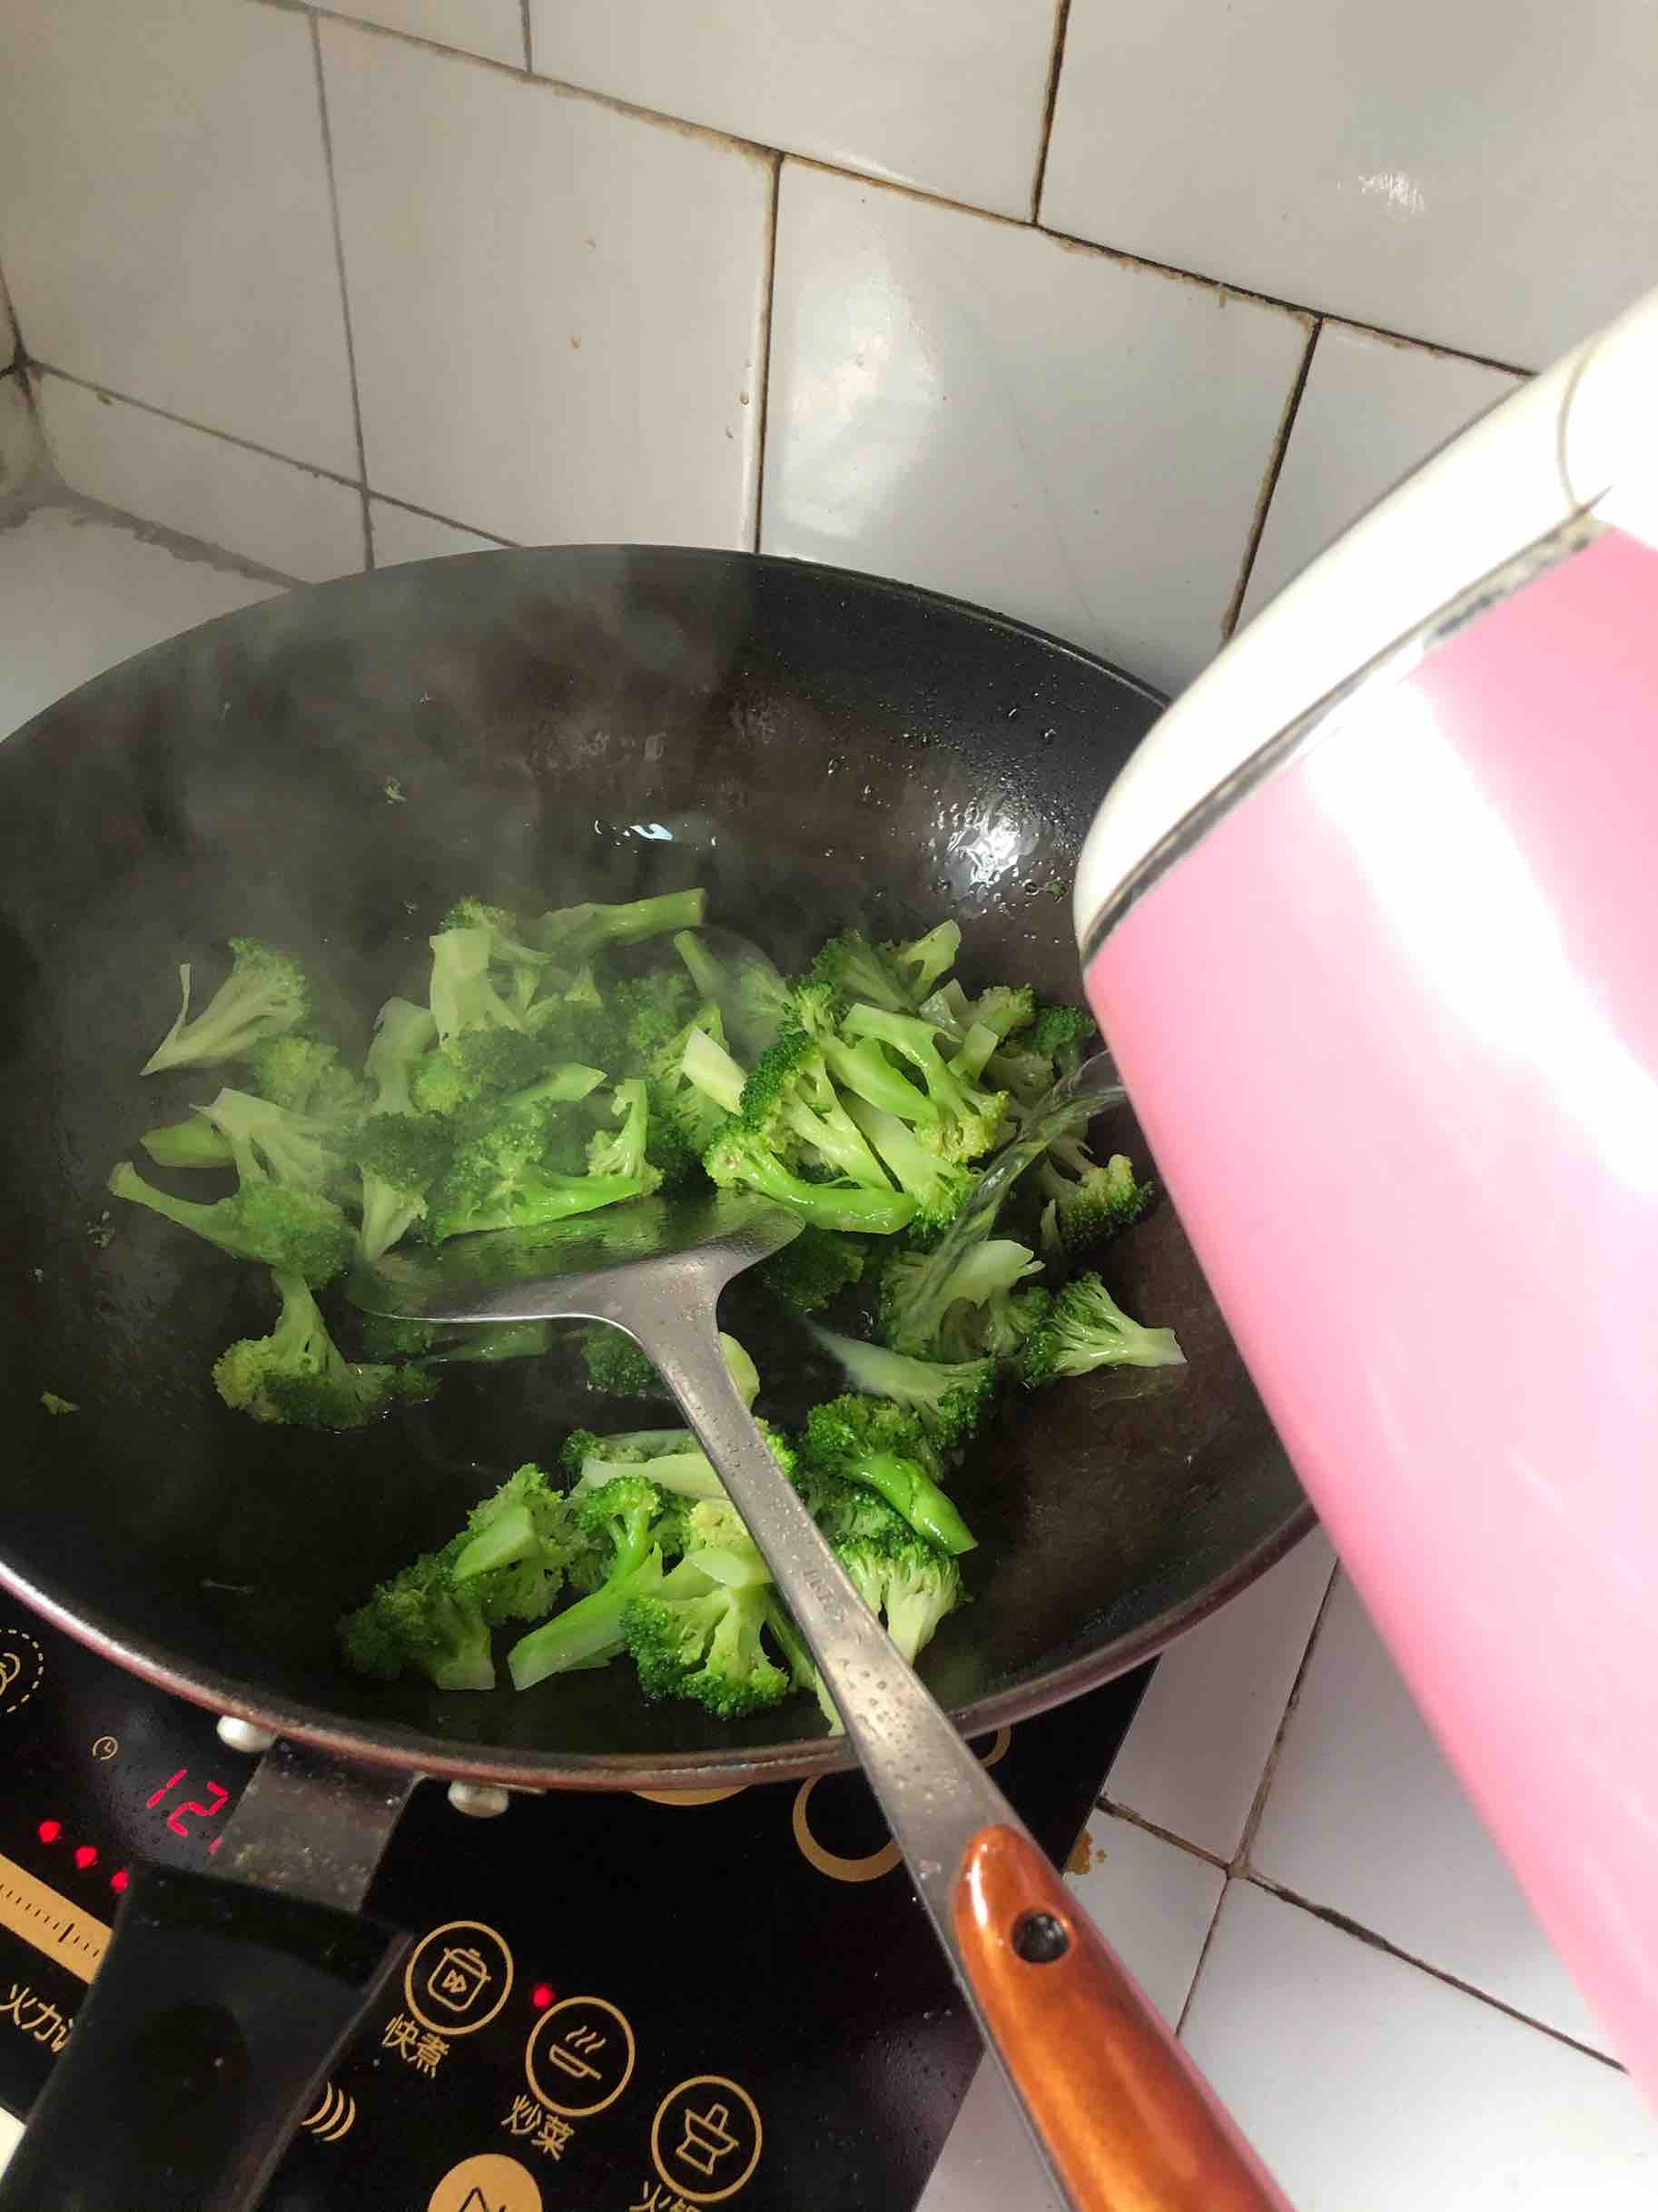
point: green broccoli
(288, 1070)
(573, 935)
(971, 1120)
(195, 1143)
(812, 1270)
(1085, 1329)
(629, 1523)
(996, 1327)
(739, 1159)
(297, 1374)
(684, 1118)
(463, 994)
(516, 1546)
(422, 1619)
(708, 1067)
(646, 1012)
(739, 978)
(264, 995)
(401, 1155)
(701, 1637)
(919, 1290)
(499, 1179)
(912, 1585)
(922, 963)
(1048, 1048)
(871, 1441)
(1092, 1204)
(506, 945)
(272, 1142)
(402, 1033)
(858, 1064)
(290, 1230)
(448, 1343)
(938, 1188)
(616, 1366)
(853, 969)
(949, 1399)
(789, 1102)
(622, 1153)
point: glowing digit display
(180, 1817)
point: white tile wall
(1152, 1902)
(1193, 1758)
(1364, 1816)
(493, 28)
(947, 94)
(271, 512)
(1484, 175)
(1367, 2085)
(400, 534)
(585, 307)
(968, 405)
(1372, 409)
(164, 222)
(19, 439)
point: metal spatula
(1123, 2122)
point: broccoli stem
(508, 1537)
(834, 1136)
(587, 1632)
(881, 1213)
(195, 1143)
(909, 1490)
(862, 1068)
(710, 1068)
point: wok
(331, 771)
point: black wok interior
(330, 771)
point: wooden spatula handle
(1130, 2125)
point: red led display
(85, 1855)
(49, 1831)
(541, 1996)
(118, 1881)
(178, 1820)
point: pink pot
(1371, 927)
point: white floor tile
(494, 28)
(561, 341)
(1193, 1758)
(1364, 1816)
(78, 595)
(164, 223)
(988, 2163)
(1367, 2085)
(1371, 411)
(11, 2132)
(969, 405)
(947, 94)
(274, 512)
(400, 534)
(1151, 1902)
(1479, 175)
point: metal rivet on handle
(481, 1801)
(243, 1737)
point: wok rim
(397, 1748)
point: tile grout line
(345, 300)
(1061, 20)
(1118, 1812)
(529, 46)
(148, 407)
(1270, 484)
(426, 514)
(737, 142)
(64, 498)
(1373, 1942)
(763, 363)
(1239, 1857)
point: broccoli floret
(573, 935)
(919, 1290)
(402, 1033)
(647, 1012)
(621, 1152)
(500, 1178)
(1059, 1034)
(507, 948)
(708, 1067)
(846, 1511)
(516, 1546)
(1004, 1008)
(790, 1105)
(923, 962)
(950, 1399)
(912, 1585)
(616, 1366)
(288, 1070)
(423, 1619)
(195, 1143)
(938, 1188)
(1085, 1329)
(297, 1374)
(871, 1441)
(1093, 1204)
(739, 978)
(290, 1230)
(699, 1637)
(401, 1155)
(264, 995)
(443, 1344)
(1050, 1047)
(812, 1270)
(858, 1064)
(628, 1522)
(683, 1120)
(971, 1120)
(853, 969)
(996, 1328)
(298, 1151)
(463, 994)
(738, 1159)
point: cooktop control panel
(617, 2003)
